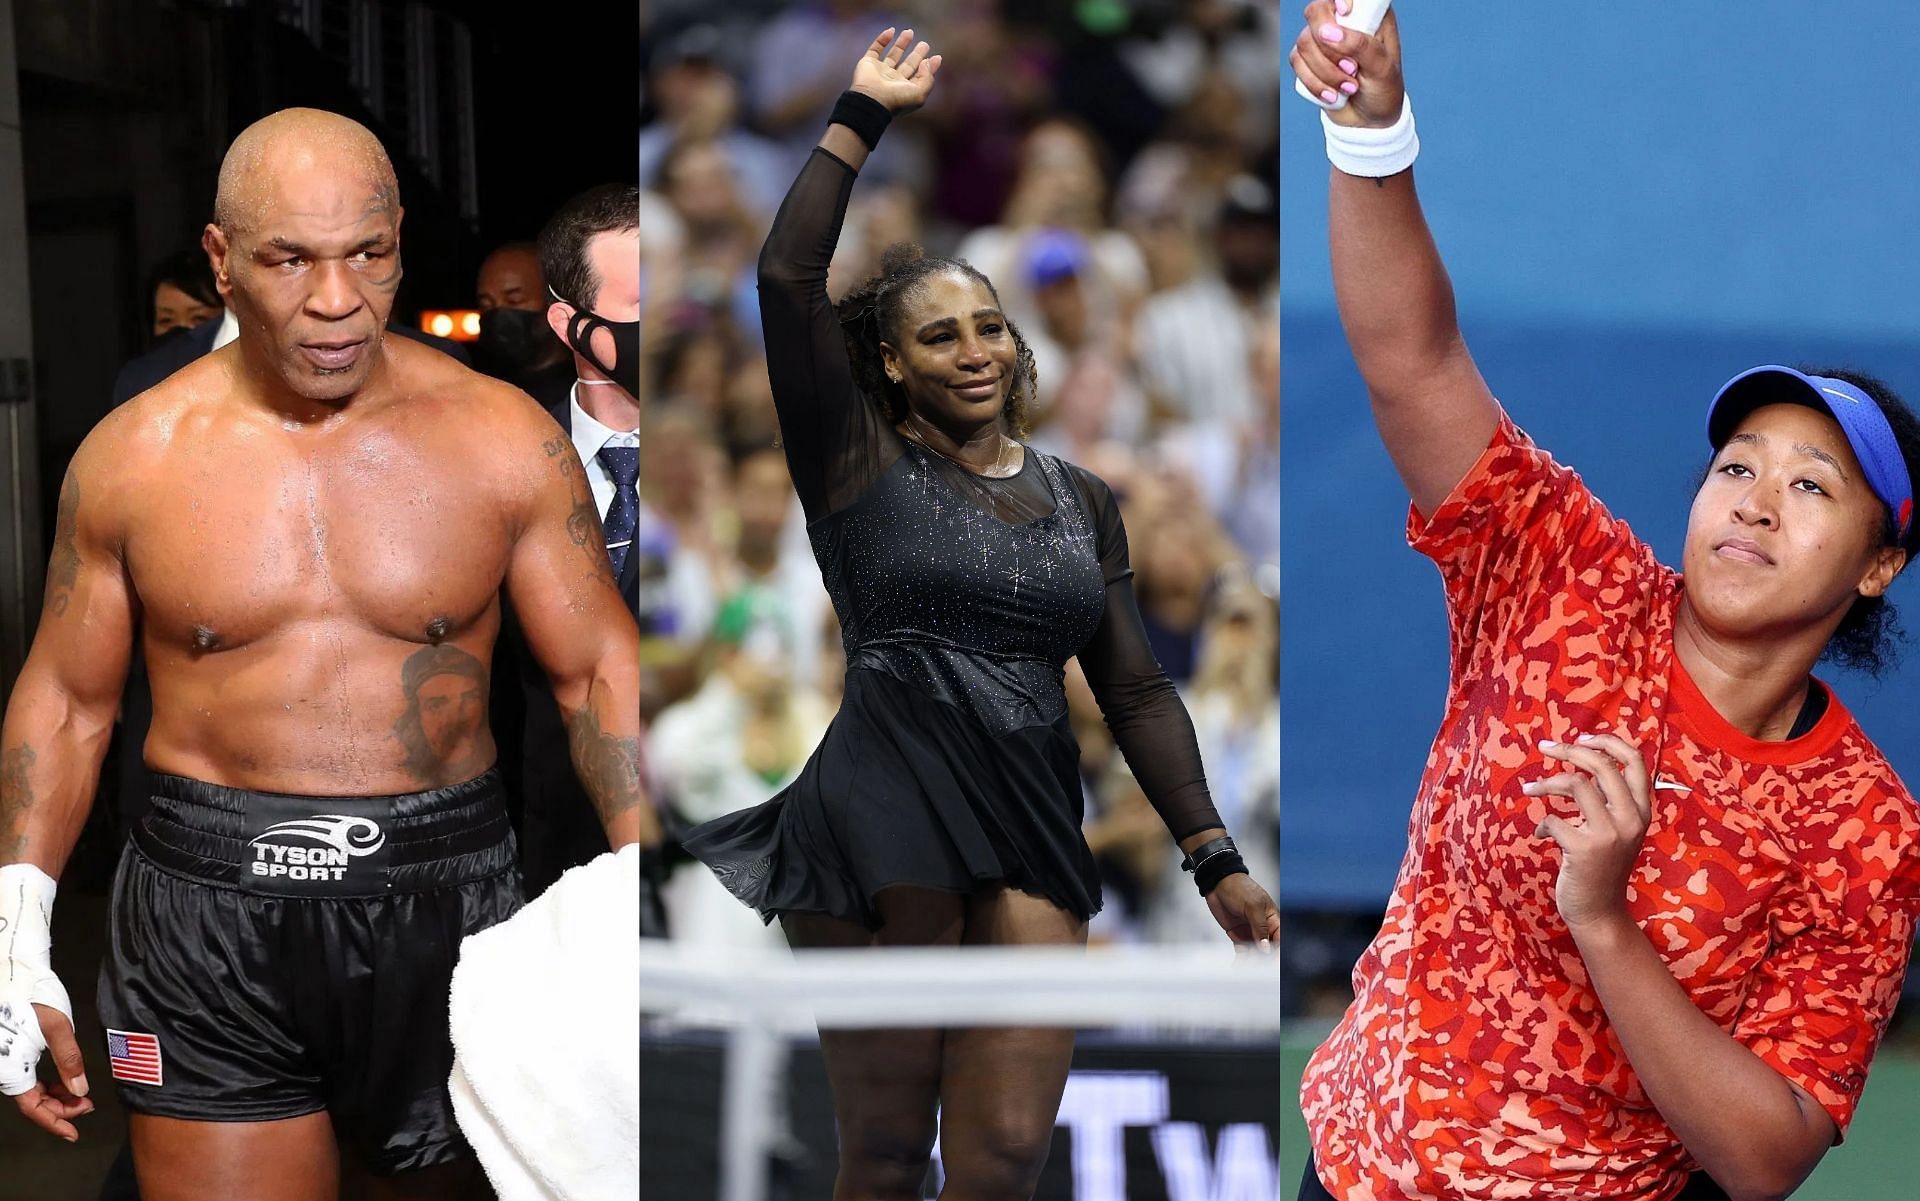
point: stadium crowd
(1112, 169)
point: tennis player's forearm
(1739, 1119)
(845, 145)
(51, 746)
(1395, 299)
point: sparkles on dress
(951, 763)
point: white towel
(545, 1016)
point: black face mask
(625, 368)
(511, 341)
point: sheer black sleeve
(1149, 721)
(836, 443)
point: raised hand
(1333, 61)
(898, 77)
(1611, 785)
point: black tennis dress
(951, 763)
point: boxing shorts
(272, 955)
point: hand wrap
(26, 973)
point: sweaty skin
(311, 528)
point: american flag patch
(134, 1057)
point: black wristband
(1220, 845)
(1213, 861)
(1209, 874)
(864, 115)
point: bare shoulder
(493, 429)
(128, 452)
(487, 408)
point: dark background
(126, 108)
(128, 105)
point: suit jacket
(559, 827)
(125, 775)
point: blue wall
(1685, 199)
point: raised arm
(578, 627)
(1434, 411)
(824, 422)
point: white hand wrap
(26, 973)
(1373, 153)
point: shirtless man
(312, 528)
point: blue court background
(1635, 203)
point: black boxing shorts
(271, 956)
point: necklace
(996, 471)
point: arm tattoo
(64, 570)
(608, 765)
(16, 799)
(583, 523)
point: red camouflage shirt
(1779, 880)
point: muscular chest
(236, 547)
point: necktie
(623, 515)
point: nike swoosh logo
(1669, 785)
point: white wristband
(26, 972)
(1373, 153)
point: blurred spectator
(1178, 553)
(999, 76)
(516, 344)
(747, 416)
(589, 262)
(1062, 185)
(742, 737)
(1235, 705)
(1045, 103)
(772, 566)
(1237, 466)
(662, 247)
(877, 217)
(1086, 392)
(1195, 341)
(1218, 40)
(682, 568)
(695, 99)
(799, 67)
(181, 289)
(690, 369)
(721, 233)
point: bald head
(305, 248)
(291, 148)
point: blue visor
(1860, 419)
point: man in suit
(590, 255)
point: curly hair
(872, 312)
(1870, 636)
